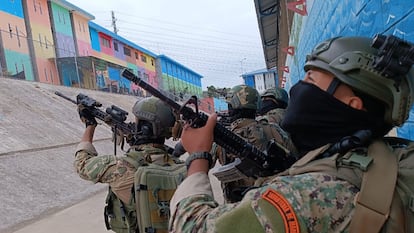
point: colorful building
(177, 78)
(41, 42)
(54, 41)
(14, 53)
(111, 53)
(261, 79)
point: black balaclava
(269, 104)
(315, 117)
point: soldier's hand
(86, 116)
(199, 139)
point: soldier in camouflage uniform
(274, 103)
(243, 102)
(341, 94)
(154, 120)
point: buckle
(359, 161)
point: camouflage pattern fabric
(320, 202)
(115, 171)
(274, 116)
(257, 133)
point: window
(116, 46)
(127, 51)
(146, 76)
(136, 56)
(10, 31)
(143, 58)
(152, 62)
(105, 42)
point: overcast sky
(218, 39)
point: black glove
(86, 116)
(178, 150)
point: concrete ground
(40, 190)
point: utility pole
(241, 65)
(114, 22)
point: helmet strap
(333, 86)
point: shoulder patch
(285, 209)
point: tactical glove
(86, 116)
(178, 150)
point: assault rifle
(224, 119)
(113, 116)
(252, 161)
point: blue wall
(13, 7)
(94, 39)
(220, 105)
(328, 19)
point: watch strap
(199, 155)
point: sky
(218, 39)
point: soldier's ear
(356, 102)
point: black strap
(333, 86)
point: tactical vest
(384, 172)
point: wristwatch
(199, 155)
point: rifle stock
(254, 163)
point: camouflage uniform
(280, 99)
(312, 198)
(332, 187)
(273, 116)
(154, 121)
(116, 171)
(243, 98)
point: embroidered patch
(285, 209)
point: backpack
(384, 172)
(154, 187)
(148, 209)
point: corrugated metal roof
(268, 16)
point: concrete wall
(39, 132)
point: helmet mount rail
(395, 57)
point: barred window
(127, 51)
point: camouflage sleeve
(88, 165)
(304, 203)
(195, 210)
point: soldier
(274, 103)
(337, 116)
(243, 102)
(154, 120)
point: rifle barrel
(65, 97)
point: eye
(308, 77)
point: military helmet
(243, 97)
(156, 112)
(351, 60)
(277, 93)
